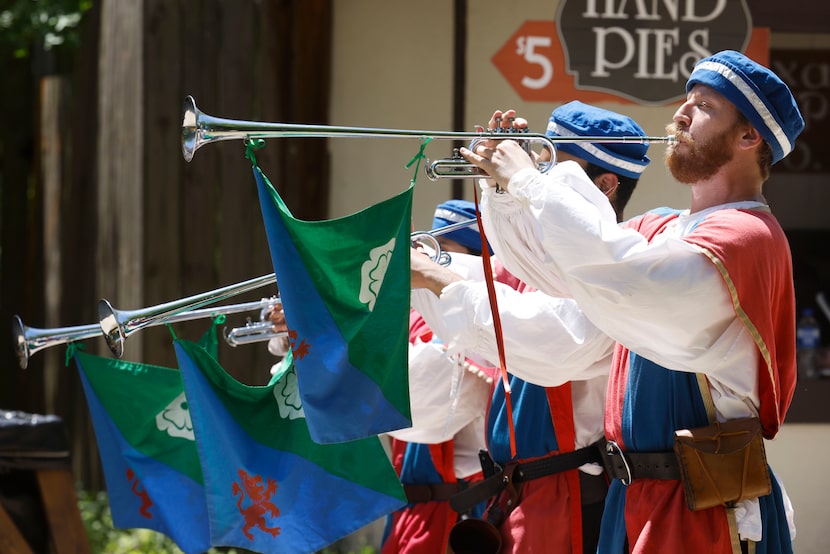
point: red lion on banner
(260, 503)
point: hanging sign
(639, 51)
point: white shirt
(547, 340)
(557, 231)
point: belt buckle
(611, 449)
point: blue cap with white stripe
(458, 211)
(758, 93)
(627, 159)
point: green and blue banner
(147, 447)
(344, 286)
(269, 486)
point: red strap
(560, 401)
(491, 292)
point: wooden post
(120, 214)
(52, 131)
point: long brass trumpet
(117, 325)
(430, 238)
(199, 129)
(30, 340)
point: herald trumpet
(430, 238)
(30, 340)
(199, 129)
(117, 325)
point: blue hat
(627, 159)
(758, 93)
(456, 211)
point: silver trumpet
(251, 332)
(117, 325)
(199, 129)
(430, 238)
(30, 340)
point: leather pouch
(723, 463)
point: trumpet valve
(456, 167)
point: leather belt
(558, 463)
(627, 466)
(498, 478)
(437, 491)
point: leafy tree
(46, 24)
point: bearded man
(700, 302)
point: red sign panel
(533, 62)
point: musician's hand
(277, 317)
(507, 120)
(500, 162)
(426, 274)
(502, 120)
(496, 157)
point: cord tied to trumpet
(250, 146)
(416, 159)
(70, 352)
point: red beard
(701, 160)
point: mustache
(673, 129)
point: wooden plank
(163, 223)
(311, 81)
(53, 123)
(78, 236)
(19, 229)
(200, 41)
(120, 207)
(243, 250)
(10, 538)
(60, 504)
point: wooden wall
(135, 223)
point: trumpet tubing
(430, 238)
(252, 332)
(30, 340)
(199, 129)
(117, 325)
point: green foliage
(105, 539)
(27, 24)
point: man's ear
(750, 137)
(607, 184)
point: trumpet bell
(112, 329)
(21, 347)
(190, 128)
(29, 340)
